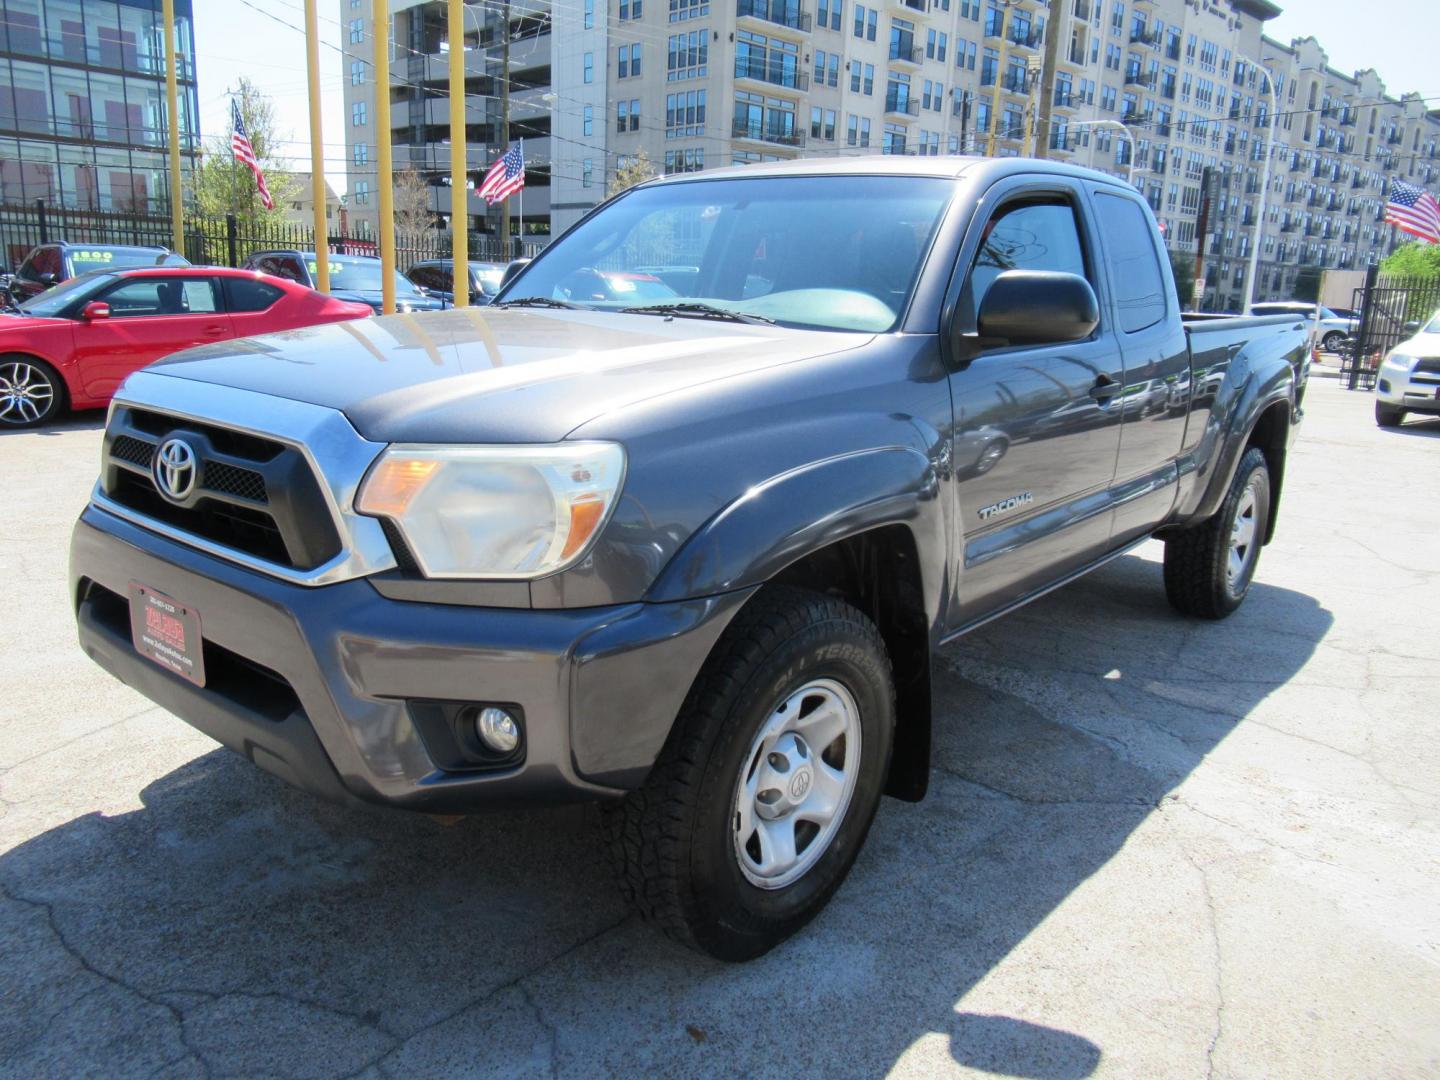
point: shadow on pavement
(233, 925)
(89, 420)
(1424, 427)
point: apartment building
(1173, 95)
(83, 121)
(525, 34)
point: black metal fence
(1388, 307)
(219, 241)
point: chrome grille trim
(336, 453)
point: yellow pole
(999, 75)
(459, 196)
(317, 150)
(172, 102)
(386, 179)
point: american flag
(1413, 210)
(505, 177)
(245, 153)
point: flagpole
(380, 28)
(317, 149)
(520, 217)
(172, 97)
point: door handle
(1104, 389)
(213, 331)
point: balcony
(1172, 50)
(1074, 55)
(754, 129)
(901, 107)
(776, 12)
(902, 54)
(1145, 79)
(1064, 99)
(1128, 118)
(1033, 40)
(1144, 37)
(913, 6)
(1064, 144)
(1083, 10)
(770, 73)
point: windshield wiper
(698, 311)
(536, 301)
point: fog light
(497, 730)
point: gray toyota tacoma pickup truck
(677, 522)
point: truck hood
(482, 375)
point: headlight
(495, 511)
(1399, 361)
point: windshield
(830, 252)
(489, 277)
(112, 258)
(352, 274)
(53, 303)
(1433, 326)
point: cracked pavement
(1152, 847)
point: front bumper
(327, 687)
(1408, 389)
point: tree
(1416, 259)
(225, 186)
(413, 216)
(636, 170)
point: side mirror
(95, 309)
(47, 279)
(1037, 307)
(513, 270)
(1412, 327)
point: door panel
(150, 317)
(1037, 429)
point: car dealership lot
(1153, 847)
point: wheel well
(878, 571)
(1271, 434)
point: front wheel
(1388, 415)
(30, 392)
(764, 793)
(1331, 342)
(1209, 566)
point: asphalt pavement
(1153, 847)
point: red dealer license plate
(167, 632)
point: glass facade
(82, 102)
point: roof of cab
(950, 166)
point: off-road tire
(672, 840)
(1388, 415)
(1196, 559)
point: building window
(589, 120)
(828, 14)
(362, 192)
(629, 9)
(684, 161)
(862, 78)
(357, 114)
(357, 72)
(589, 14)
(361, 154)
(587, 173)
(685, 114)
(622, 115)
(680, 10)
(688, 55)
(357, 31)
(867, 21)
(589, 62)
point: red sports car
(73, 346)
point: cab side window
(1138, 282)
(429, 277)
(1034, 234)
(247, 295)
(149, 296)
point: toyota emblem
(174, 469)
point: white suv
(1409, 379)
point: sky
(243, 37)
(1395, 37)
(262, 39)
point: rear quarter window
(246, 294)
(1137, 281)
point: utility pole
(317, 150)
(1202, 226)
(459, 196)
(177, 229)
(1000, 12)
(505, 120)
(1047, 76)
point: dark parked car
(436, 277)
(50, 264)
(352, 277)
(690, 556)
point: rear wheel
(1388, 415)
(764, 793)
(1209, 566)
(1331, 341)
(30, 392)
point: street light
(1269, 88)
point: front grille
(255, 496)
(136, 451)
(1428, 363)
(230, 480)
